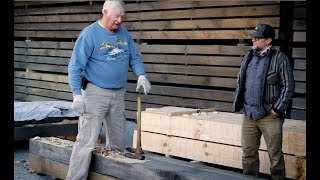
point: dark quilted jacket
(278, 85)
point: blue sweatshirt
(103, 58)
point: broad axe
(138, 150)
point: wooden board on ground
(216, 127)
(57, 169)
(51, 150)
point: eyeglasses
(257, 38)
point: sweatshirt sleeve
(135, 59)
(80, 54)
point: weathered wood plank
(300, 12)
(42, 60)
(299, 103)
(189, 4)
(207, 13)
(182, 94)
(154, 167)
(44, 44)
(51, 26)
(47, 120)
(299, 75)
(55, 48)
(204, 34)
(58, 10)
(29, 97)
(47, 34)
(298, 114)
(53, 90)
(167, 78)
(299, 52)
(130, 6)
(158, 25)
(43, 52)
(190, 80)
(195, 49)
(300, 87)
(53, 77)
(196, 93)
(34, 3)
(153, 15)
(53, 129)
(193, 70)
(197, 34)
(182, 102)
(41, 67)
(132, 106)
(300, 64)
(131, 115)
(212, 152)
(49, 93)
(42, 84)
(192, 59)
(299, 3)
(58, 18)
(201, 23)
(299, 25)
(56, 169)
(299, 36)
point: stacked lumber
(215, 137)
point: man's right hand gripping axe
(143, 81)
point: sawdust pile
(55, 141)
(98, 150)
(105, 152)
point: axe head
(139, 156)
(135, 156)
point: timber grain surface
(154, 167)
(164, 166)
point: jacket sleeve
(286, 85)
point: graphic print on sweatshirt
(115, 52)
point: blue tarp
(39, 110)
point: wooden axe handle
(138, 148)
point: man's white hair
(110, 4)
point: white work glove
(143, 81)
(78, 104)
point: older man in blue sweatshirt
(98, 72)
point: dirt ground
(21, 171)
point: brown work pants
(271, 128)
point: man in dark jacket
(265, 86)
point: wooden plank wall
(299, 59)
(192, 49)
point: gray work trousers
(271, 128)
(101, 106)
